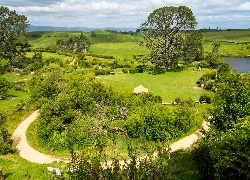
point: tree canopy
(74, 44)
(167, 36)
(13, 41)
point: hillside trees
(13, 41)
(166, 35)
(74, 44)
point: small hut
(140, 89)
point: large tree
(167, 34)
(74, 44)
(13, 28)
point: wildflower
(58, 171)
(50, 169)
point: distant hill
(84, 29)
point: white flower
(58, 171)
(50, 169)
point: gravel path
(30, 154)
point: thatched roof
(140, 89)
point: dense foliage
(232, 101)
(90, 113)
(5, 85)
(224, 152)
(5, 137)
(74, 44)
(13, 41)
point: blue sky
(223, 14)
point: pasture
(169, 86)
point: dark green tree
(5, 85)
(13, 28)
(74, 44)
(5, 137)
(165, 34)
(216, 47)
(192, 47)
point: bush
(224, 155)
(103, 71)
(205, 98)
(158, 123)
(5, 138)
(5, 85)
(200, 153)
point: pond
(239, 64)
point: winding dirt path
(24, 149)
(32, 155)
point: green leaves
(13, 41)
(232, 101)
(74, 44)
(165, 36)
(5, 85)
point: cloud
(123, 13)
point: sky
(222, 14)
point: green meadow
(169, 86)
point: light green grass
(119, 50)
(14, 97)
(235, 36)
(16, 77)
(47, 55)
(16, 168)
(169, 86)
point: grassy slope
(233, 43)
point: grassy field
(47, 55)
(123, 46)
(14, 168)
(233, 43)
(169, 86)
(14, 96)
(119, 50)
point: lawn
(47, 55)
(169, 86)
(123, 51)
(15, 167)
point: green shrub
(205, 98)
(200, 153)
(224, 155)
(5, 85)
(5, 138)
(158, 123)
(103, 71)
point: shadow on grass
(162, 70)
(183, 166)
(7, 175)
